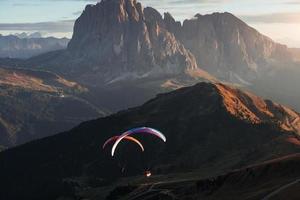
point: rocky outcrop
(121, 40)
(228, 48)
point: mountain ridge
(227, 44)
(135, 42)
(195, 120)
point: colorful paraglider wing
(137, 130)
(136, 141)
(114, 138)
(149, 130)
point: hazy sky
(279, 19)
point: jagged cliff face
(123, 40)
(227, 47)
(120, 40)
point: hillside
(212, 128)
(275, 179)
(36, 104)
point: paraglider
(135, 131)
(114, 138)
(128, 136)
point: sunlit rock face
(122, 39)
(119, 40)
(227, 47)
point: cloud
(26, 4)
(293, 2)
(57, 26)
(287, 18)
(290, 42)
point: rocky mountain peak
(152, 15)
(122, 40)
(171, 24)
(107, 15)
(228, 48)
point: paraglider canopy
(135, 131)
(114, 138)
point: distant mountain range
(27, 45)
(210, 128)
(28, 35)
